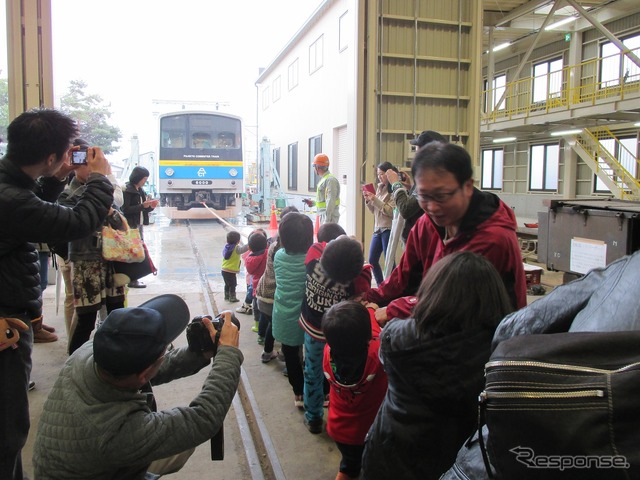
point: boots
(40, 335)
(246, 308)
(232, 296)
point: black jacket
(27, 215)
(132, 205)
(430, 406)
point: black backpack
(563, 405)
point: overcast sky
(133, 51)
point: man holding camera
(32, 175)
(99, 420)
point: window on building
(547, 80)
(544, 161)
(315, 147)
(276, 162)
(344, 30)
(293, 74)
(265, 98)
(615, 66)
(292, 178)
(492, 162)
(497, 89)
(625, 151)
(316, 52)
(276, 89)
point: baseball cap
(427, 136)
(131, 339)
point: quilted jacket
(90, 430)
(27, 215)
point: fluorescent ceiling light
(566, 132)
(559, 23)
(502, 46)
(504, 140)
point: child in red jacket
(358, 381)
(255, 262)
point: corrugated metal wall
(423, 74)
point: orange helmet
(321, 160)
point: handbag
(563, 405)
(122, 245)
(125, 273)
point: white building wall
(301, 113)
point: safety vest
(323, 203)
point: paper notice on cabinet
(587, 254)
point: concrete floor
(298, 454)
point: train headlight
(233, 172)
(169, 172)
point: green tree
(92, 116)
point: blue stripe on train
(204, 172)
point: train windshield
(200, 131)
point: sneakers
(285, 372)
(137, 284)
(281, 357)
(42, 336)
(266, 357)
(260, 340)
(247, 309)
(314, 426)
(255, 327)
(32, 385)
(298, 402)
(233, 300)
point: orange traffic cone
(273, 221)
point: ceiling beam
(523, 9)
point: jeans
(379, 243)
(313, 378)
(44, 270)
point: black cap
(427, 136)
(131, 339)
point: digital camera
(198, 336)
(79, 157)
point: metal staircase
(588, 145)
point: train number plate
(201, 182)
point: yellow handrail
(518, 99)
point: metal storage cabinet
(576, 235)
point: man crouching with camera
(99, 420)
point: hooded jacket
(431, 403)
(488, 228)
(28, 214)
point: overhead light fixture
(566, 132)
(502, 46)
(504, 140)
(560, 23)
(637, 124)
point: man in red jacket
(459, 217)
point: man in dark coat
(32, 175)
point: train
(200, 163)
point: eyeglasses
(439, 198)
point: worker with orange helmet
(328, 192)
